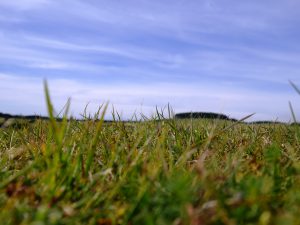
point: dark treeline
(210, 115)
(31, 117)
(196, 115)
(185, 115)
(202, 115)
(266, 122)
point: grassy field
(152, 172)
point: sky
(223, 56)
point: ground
(159, 171)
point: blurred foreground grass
(152, 172)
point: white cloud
(23, 4)
(128, 98)
(193, 54)
(257, 64)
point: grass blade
(295, 87)
(293, 113)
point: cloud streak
(236, 54)
(143, 98)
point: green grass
(1, 120)
(152, 172)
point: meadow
(157, 171)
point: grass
(157, 171)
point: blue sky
(232, 57)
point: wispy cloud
(23, 4)
(143, 98)
(236, 54)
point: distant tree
(204, 115)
